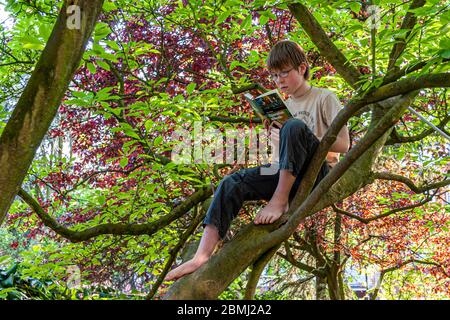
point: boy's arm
(342, 143)
(331, 108)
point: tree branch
(173, 253)
(16, 62)
(380, 216)
(326, 47)
(290, 258)
(257, 269)
(395, 75)
(234, 120)
(408, 24)
(396, 138)
(410, 183)
(253, 86)
(304, 245)
(115, 228)
(42, 96)
(399, 266)
(404, 86)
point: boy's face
(289, 79)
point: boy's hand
(276, 124)
(267, 124)
(236, 167)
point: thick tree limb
(41, 98)
(116, 228)
(404, 86)
(326, 47)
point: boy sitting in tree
(313, 109)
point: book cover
(269, 105)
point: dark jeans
(297, 146)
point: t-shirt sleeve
(330, 108)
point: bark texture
(42, 96)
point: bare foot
(184, 269)
(271, 212)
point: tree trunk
(257, 269)
(334, 289)
(321, 288)
(42, 96)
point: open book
(269, 105)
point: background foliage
(154, 66)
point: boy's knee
(293, 126)
(231, 179)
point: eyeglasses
(282, 74)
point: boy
(313, 110)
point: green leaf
(223, 17)
(124, 162)
(98, 49)
(263, 19)
(113, 45)
(234, 64)
(149, 125)
(109, 6)
(445, 44)
(109, 56)
(190, 88)
(247, 22)
(103, 93)
(101, 30)
(103, 65)
(33, 46)
(444, 54)
(102, 199)
(355, 7)
(45, 30)
(91, 67)
(131, 134)
(157, 140)
(5, 259)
